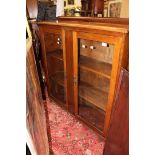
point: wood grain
(65, 68)
(113, 84)
(69, 68)
(100, 53)
(97, 67)
(96, 26)
(35, 112)
(58, 77)
(117, 142)
(53, 41)
(98, 81)
(93, 95)
(58, 54)
(124, 21)
(75, 71)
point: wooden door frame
(116, 63)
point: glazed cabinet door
(54, 64)
(95, 64)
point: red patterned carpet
(70, 136)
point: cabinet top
(122, 28)
(124, 21)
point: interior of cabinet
(53, 41)
(94, 74)
(55, 66)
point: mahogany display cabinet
(82, 63)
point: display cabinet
(82, 62)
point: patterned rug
(70, 136)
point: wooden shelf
(58, 54)
(93, 95)
(59, 78)
(95, 66)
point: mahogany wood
(107, 28)
(117, 142)
(69, 69)
(75, 71)
(113, 83)
(98, 37)
(59, 78)
(109, 20)
(53, 41)
(58, 54)
(43, 58)
(35, 112)
(125, 54)
(65, 66)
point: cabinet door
(117, 142)
(55, 65)
(95, 63)
(35, 112)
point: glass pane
(91, 113)
(55, 66)
(95, 65)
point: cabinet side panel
(35, 120)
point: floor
(69, 136)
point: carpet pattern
(69, 136)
